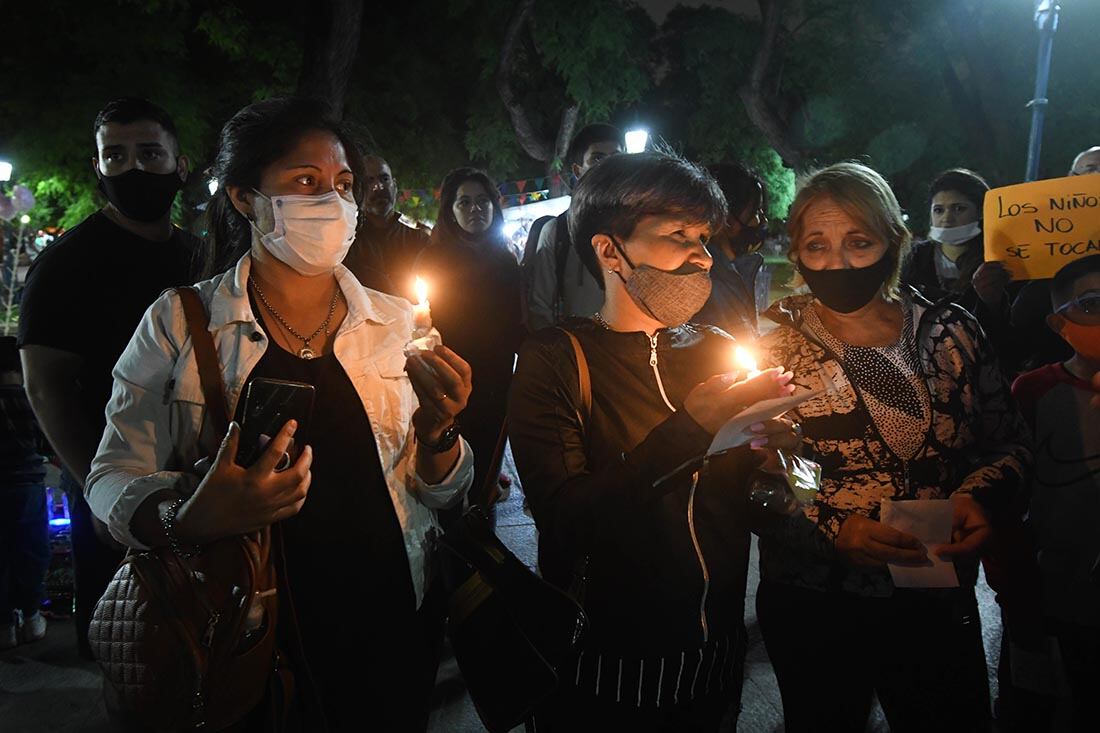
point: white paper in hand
(930, 521)
(733, 432)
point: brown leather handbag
(190, 642)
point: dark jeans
(1080, 648)
(24, 549)
(94, 563)
(919, 651)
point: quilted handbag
(171, 634)
(190, 642)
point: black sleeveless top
(345, 553)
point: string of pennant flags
(512, 193)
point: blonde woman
(915, 408)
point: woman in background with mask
(380, 452)
(737, 275)
(913, 407)
(474, 287)
(950, 265)
(616, 486)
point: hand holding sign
(1036, 228)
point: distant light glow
(510, 228)
(212, 186)
(5, 171)
(24, 219)
(636, 140)
(59, 522)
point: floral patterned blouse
(924, 418)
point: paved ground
(45, 686)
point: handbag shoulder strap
(583, 375)
(206, 356)
(579, 583)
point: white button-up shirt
(156, 419)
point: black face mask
(141, 195)
(848, 289)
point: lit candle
(422, 311)
(744, 360)
(424, 337)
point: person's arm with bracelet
(132, 484)
(442, 382)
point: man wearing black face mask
(85, 295)
(739, 283)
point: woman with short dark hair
(618, 488)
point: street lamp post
(13, 269)
(1046, 20)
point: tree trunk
(759, 107)
(965, 73)
(528, 137)
(532, 142)
(331, 44)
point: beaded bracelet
(168, 522)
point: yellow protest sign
(1036, 228)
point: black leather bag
(509, 628)
(512, 631)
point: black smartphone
(268, 404)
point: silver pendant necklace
(305, 352)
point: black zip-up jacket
(667, 562)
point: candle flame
(744, 359)
(421, 289)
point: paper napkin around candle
(734, 433)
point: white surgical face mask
(311, 233)
(955, 235)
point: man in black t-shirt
(85, 295)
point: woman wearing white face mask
(949, 264)
(381, 450)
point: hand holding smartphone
(269, 404)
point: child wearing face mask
(1065, 496)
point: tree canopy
(909, 86)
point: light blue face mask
(312, 234)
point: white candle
(744, 360)
(422, 311)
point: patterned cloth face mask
(669, 296)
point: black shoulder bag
(510, 629)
